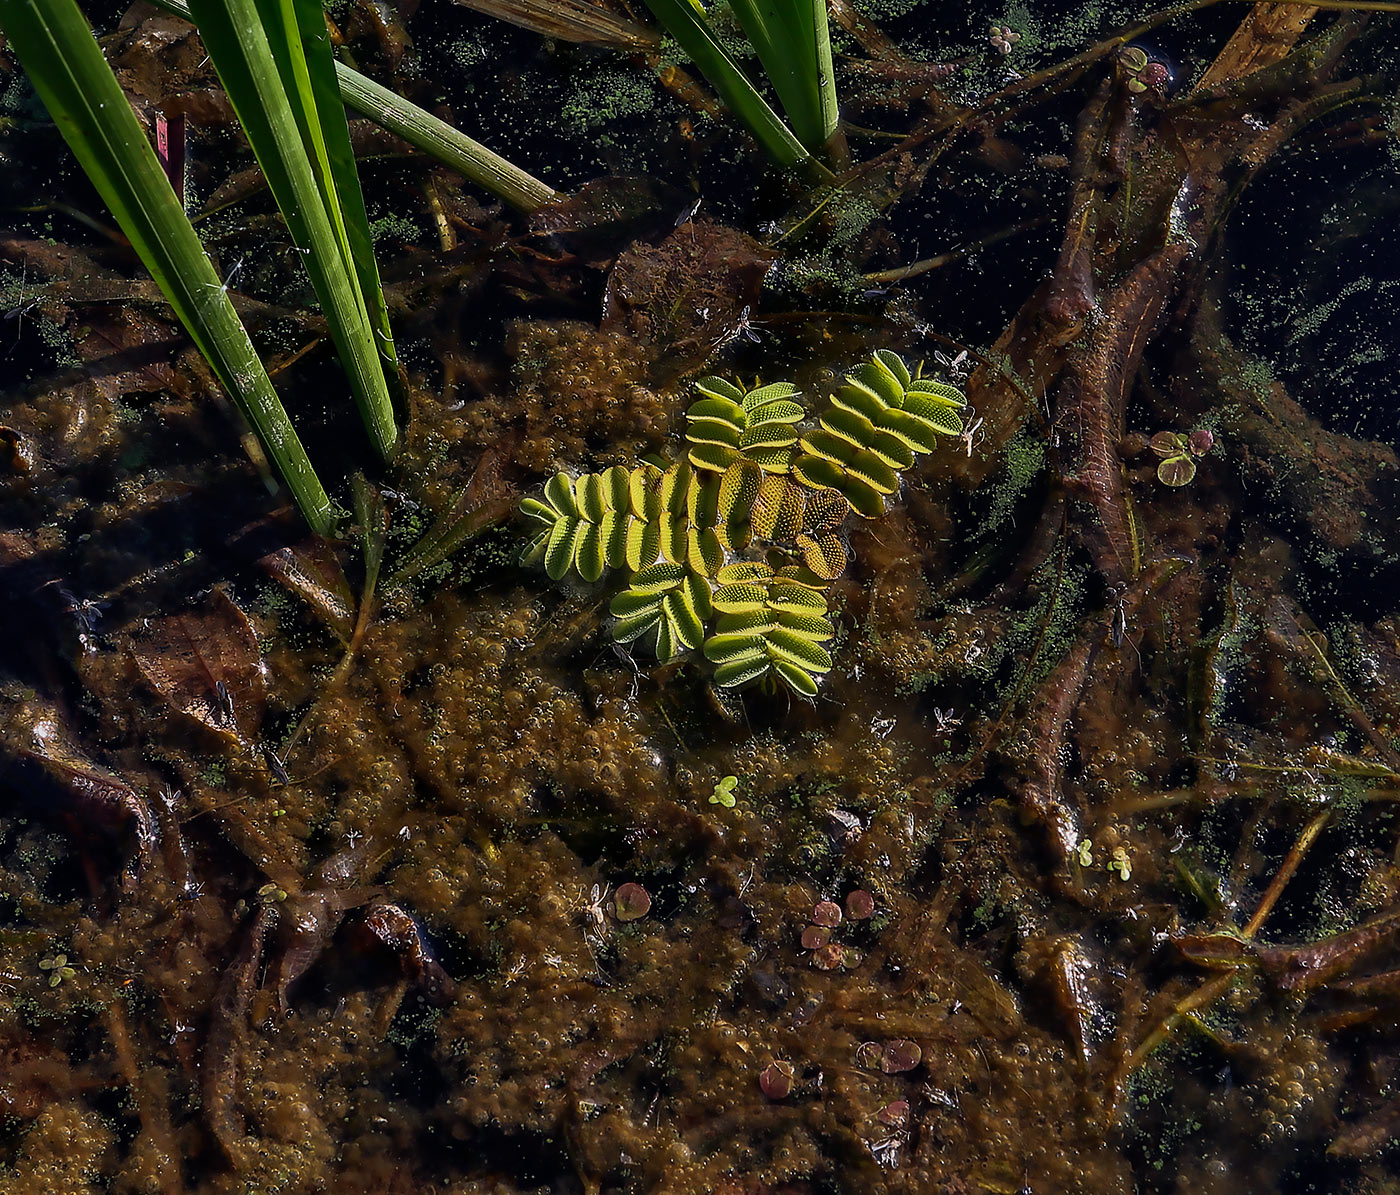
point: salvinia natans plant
(730, 549)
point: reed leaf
(321, 115)
(267, 98)
(687, 24)
(792, 41)
(426, 132)
(58, 52)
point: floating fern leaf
(558, 513)
(748, 478)
(585, 524)
(778, 509)
(831, 462)
(689, 505)
(768, 625)
(914, 410)
(729, 424)
(666, 606)
(739, 489)
(937, 404)
(879, 420)
(821, 548)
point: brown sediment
(456, 999)
(1037, 785)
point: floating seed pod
(631, 902)
(860, 905)
(900, 1055)
(775, 1080)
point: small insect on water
(746, 328)
(594, 913)
(1118, 621)
(689, 214)
(972, 434)
(276, 765)
(955, 367)
(229, 280)
(223, 705)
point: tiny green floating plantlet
(1177, 464)
(729, 549)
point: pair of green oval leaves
(750, 480)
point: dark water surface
(1080, 871)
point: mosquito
(945, 720)
(594, 914)
(952, 366)
(745, 328)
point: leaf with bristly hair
(724, 499)
(666, 606)
(586, 524)
(879, 421)
(767, 626)
(728, 424)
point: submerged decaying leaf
(206, 665)
(311, 571)
(161, 64)
(39, 764)
(605, 215)
(482, 502)
(691, 294)
(127, 351)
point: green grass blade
(321, 115)
(61, 57)
(424, 131)
(237, 41)
(697, 39)
(792, 41)
(826, 71)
